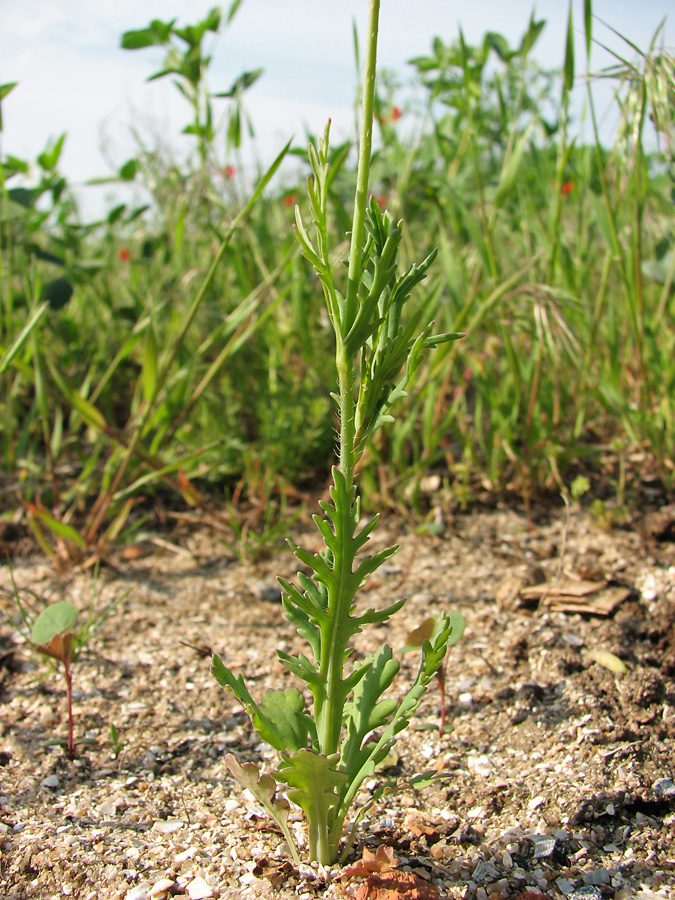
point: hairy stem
(331, 718)
(363, 168)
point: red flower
(289, 200)
(230, 171)
(382, 202)
(123, 254)
(567, 188)
(396, 113)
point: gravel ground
(556, 777)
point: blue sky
(74, 77)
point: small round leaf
(57, 618)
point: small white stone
(163, 886)
(167, 826)
(138, 893)
(51, 781)
(198, 889)
(480, 765)
(536, 802)
(231, 805)
(108, 809)
(649, 588)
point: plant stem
(69, 697)
(363, 168)
(331, 714)
(345, 362)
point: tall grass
(181, 346)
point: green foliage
(326, 753)
(188, 63)
(57, 618)
(556, 258)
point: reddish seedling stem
(69, 695)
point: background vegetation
(181, 347)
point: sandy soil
(556, 778)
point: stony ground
(555, 779)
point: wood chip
(591, 597)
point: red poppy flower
(230, 171)
(396, 113)
(123, 254)
(567, 188)
(289, 200)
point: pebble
(480, 765)
(484, 872)
(231, 805)
(168, 827)
(573, 640)
(198, 889)
(51, 781)
(536, 802)
(587, 892)
(267, 591)
(108, 809)
(499, 888)
(138, 893)
(597, 877)
(543, 846)
(163, 886)
(664, 788)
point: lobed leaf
(264, 788)
(313, 780)
(366, 711)
(278, 720)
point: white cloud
(73, 76)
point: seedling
(53, 636)
(54, 632)
(117, 742)
(327, 753)
(414, 641)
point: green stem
(331, 711)
(346, 363)
(363, 168)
